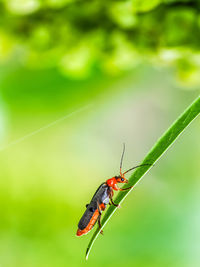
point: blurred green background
(77, 79)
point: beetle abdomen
(89, 225)
(90, 216)
(83, 231)
(87, 216)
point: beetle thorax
(111, 182)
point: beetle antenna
(137, 167)
(122, 157)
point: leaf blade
(160, 147)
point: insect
(102, 197)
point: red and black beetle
(101, 198)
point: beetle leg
(116, 205)
(113, 203)
(124, 189)
(99, 217)
(99, 223)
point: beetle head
(121, 179)
(115, 180)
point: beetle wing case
(100, 196)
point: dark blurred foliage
(78, 37)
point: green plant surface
(161, 146)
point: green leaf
(166, 140)
(144, 5)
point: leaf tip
(87, 253)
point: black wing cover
(99, 196)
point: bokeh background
(77, 79)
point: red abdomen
(90, 224)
